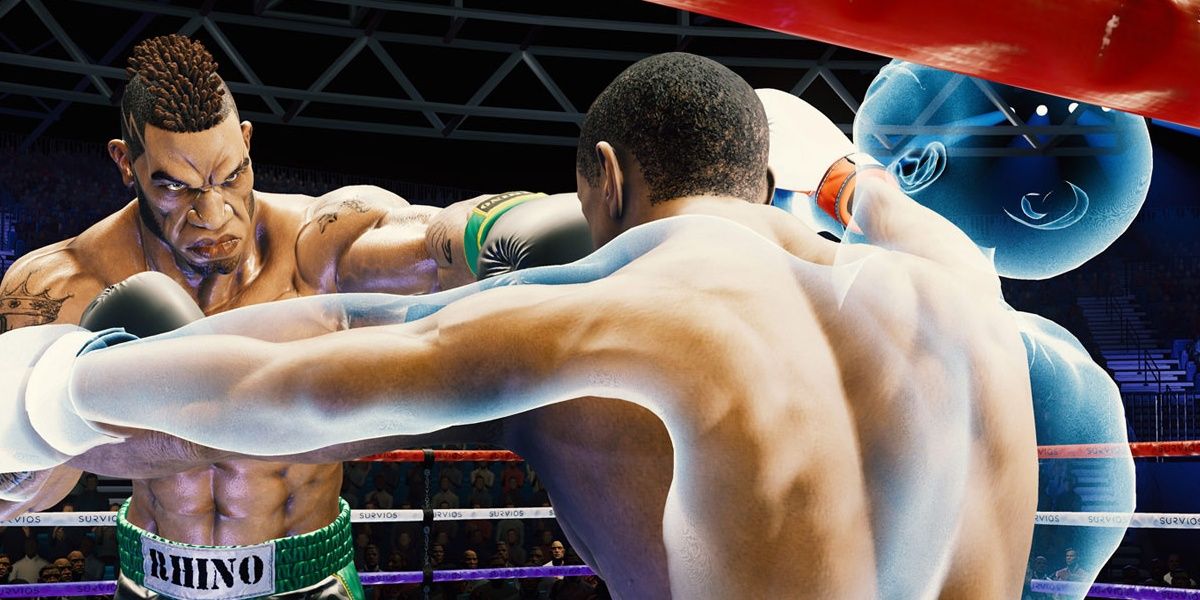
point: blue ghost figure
(1045, 181)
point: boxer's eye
(233, 178)
(174, 187)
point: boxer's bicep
(391, 257)
(333, 223)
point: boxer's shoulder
(355, 198)
(47, 286)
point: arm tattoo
(20, 302)
(441, 241)
(331, 216)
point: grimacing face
(198, 189)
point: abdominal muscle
(238, 502)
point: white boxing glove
(39, 426)
(815, 165)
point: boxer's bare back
(298, 241)
(829, 421)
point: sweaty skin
(735, 381)
(358, 238)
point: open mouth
(210, 249)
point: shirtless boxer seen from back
(828, 410)
(197, 219)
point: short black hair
(173, 84)
(694, 127)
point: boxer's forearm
(256, 398)
(486, 357)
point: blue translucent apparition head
(1048, 182)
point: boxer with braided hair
(199, 239)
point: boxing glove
(42, 429)
(35, 373)
(815, 166)
(537, 231)
(145, 304)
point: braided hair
(173, 85)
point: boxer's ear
(612, 180)
(769, 199)
(918, 168)
(118, 151)
(247, 132)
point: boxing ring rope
(1112, 590)
(107, 588)
(1072, 519)
(443, 456)
(1138, 449)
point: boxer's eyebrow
(240, 168)
(163, 176)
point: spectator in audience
(370, 560)
(49, 574)
(89, 497)
(106, 540)
(354, 481)
(483, 469)
(574, 587)
(1174, 563)
(64, 539)
(512, 491)
(558, 556)
(481, 495)
(416, 485)
(14, 538)
(470, 560)
(437, 556)
(405, 547)
(446, 495)
(503, 525)
(451, 471)
(361, 540)
(497, 589)
(78, 566)
(380, 495)
(29, 567)
(516, 553)
(1039, 568)
(502, 553)
(64, 569)
(1072, 571)
(484, 526)
(513, 470)
(395, 562)
(5, 569)
(537, 557)
(444, 531)
(1180, 579)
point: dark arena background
(442, 100)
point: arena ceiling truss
(447, 69)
